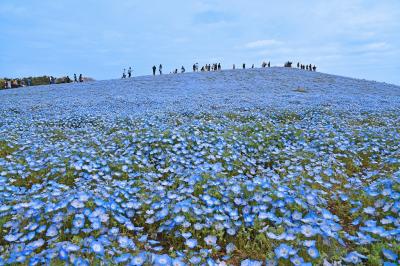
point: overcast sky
(100, 37)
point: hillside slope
(194, 92)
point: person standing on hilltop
(80, 78)
(183, 70)
(298, 64)
(234, 67)
(314, 68)
(244, 66)
(160, 69)
(269, 64)
(129, 72)
(219, 66)
(75, 79)
(154, 70)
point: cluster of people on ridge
(212, 67)
(129, 73)
(307, 67)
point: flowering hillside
(251, 167)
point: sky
(99, 38)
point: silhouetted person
(306, 67)
(298, 65)
(244, 66)
(154, 70)
(81, 77)
(219, 66)
(183, 69)
(234, 67)
(75, 79)
(310, 67)
(129, 72)
(123, 74)
(314, 68)
(194, 67)
(67, 79)
(252, 66)
(263, 65)
(269, 64)
(160, 69)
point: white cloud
(262, 43)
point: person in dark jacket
(160, 69)
(75, 78)
(244, 66)
(154, 70)
(129, 72)
(81, 78)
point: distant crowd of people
(129, 73)
(212, 67)
(307, 67)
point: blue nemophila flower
(230, 248)
(178, 262)
(139, 259)
(77, 204)
(296, 260)
(354, 257)
(210, 240)
(249, 262)
(124, 241)
(191, 243)
(195, 260)
(187, 235)
(313, 252)
(123, 258)
(179, 219)
(97, 247)
(79, 221)
(388, 263)
(369, 210)
(12, 237)
(389, 254)
(284, 251)
(161, 260)
(308, 230)
(309, 243)
(63, 254)
(52, 231)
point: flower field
(228, 168)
